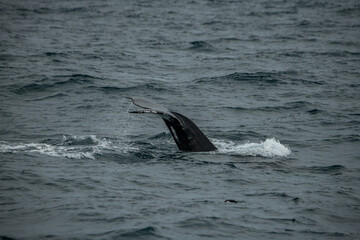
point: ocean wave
(201, 46)
(32, 87)
(333, 169)
(139, 233)
(261, 78)
(140, 87)
(57, 54)
(296, 105)
(47, 84)
(62, 10)
(58, 95)
(269, 148)
(73, 147)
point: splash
(270, 148)
(75, 147)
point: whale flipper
(187, 135)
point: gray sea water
(274, 84)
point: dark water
(274, 84)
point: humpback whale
(187, 136)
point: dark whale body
(187, 135)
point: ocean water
(273, 84)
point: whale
(187, 136)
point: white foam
(46, 149)
(77, 147)
(269, 148)
(71, 147)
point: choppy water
(274, 85)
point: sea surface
(274, 84)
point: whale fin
(147, 104)
(187, 135)
(164, 114)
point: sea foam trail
(75, 147)
(46, 149)
(269, 148)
